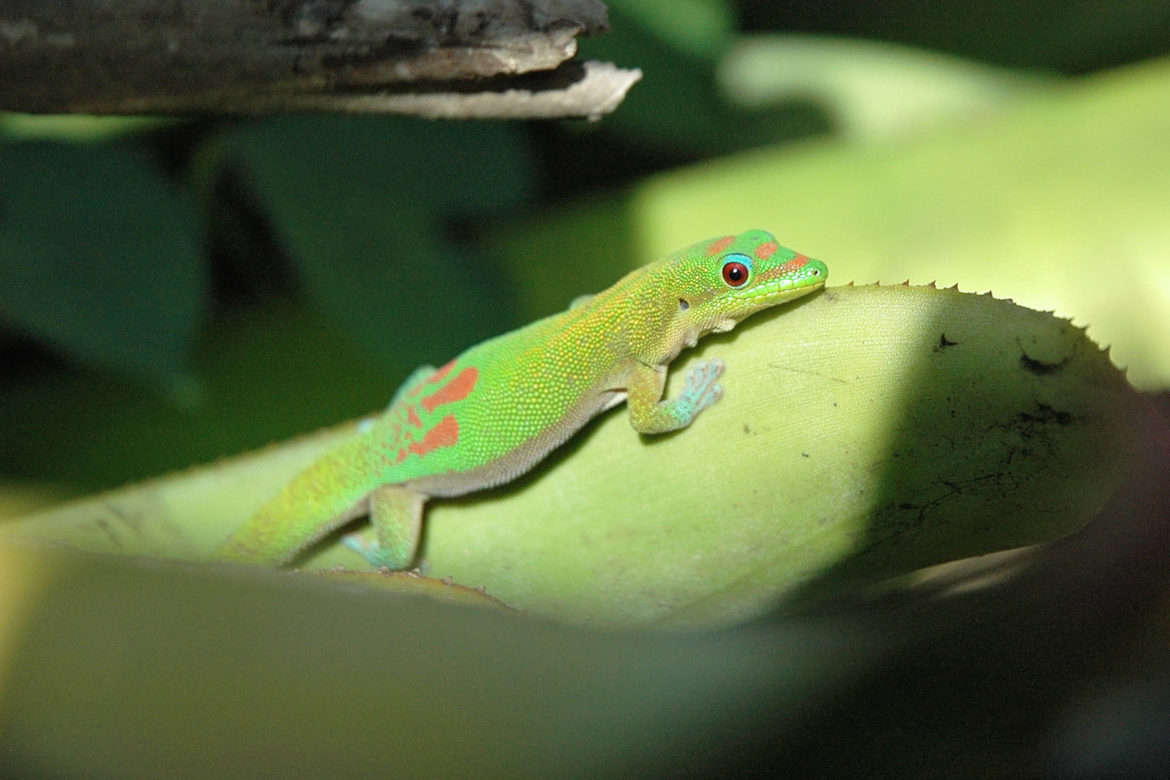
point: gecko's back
(477, 421)
(490, 413)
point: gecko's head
(724, 280)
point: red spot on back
(412, 417)
(766, 250)
(444, 434)
(455, 390)
(717, 246)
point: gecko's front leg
(650, 414)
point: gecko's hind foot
(373, 552)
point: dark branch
(450, 58)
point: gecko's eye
(737, 270)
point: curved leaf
(865, 432)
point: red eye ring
(735, 273)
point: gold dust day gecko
(496, 410)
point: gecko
(495, 411)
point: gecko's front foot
(702, 387)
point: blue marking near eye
(737, 269)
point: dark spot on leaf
(1039, 367)
(944, 342)
(1046, 414)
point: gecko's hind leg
(396, 515)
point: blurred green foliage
(190, 289)
(361, 207)
(100, 256)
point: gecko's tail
(323, 497)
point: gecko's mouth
(782, 288)
(785, 285)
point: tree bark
(450, 58)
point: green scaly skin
(492, 413)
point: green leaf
(678, 108)
(864, 432)
(699, 27)
(370, 241)
(99, 257)
(873, 90)
(76, 127)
